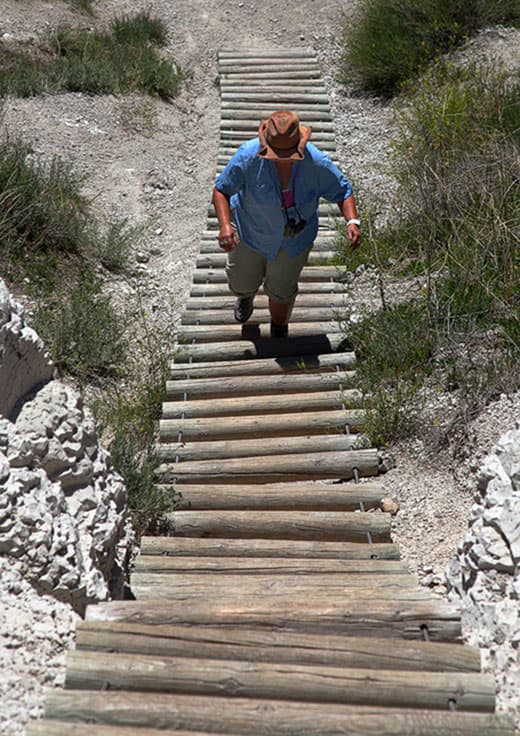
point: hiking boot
(279, 330)
(243, 308)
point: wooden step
(253, 331)
(301, 383)
(283, 549)
(259, 717)
(283, 496)
(317, 684)
(338, 526)
(308, 273)
(353, 617)
(66, 728)
(275, 646)
(318, 287)
(275, 468)
(303, 301)
(266, 566)
(299, 364)
(324, 316)
(169, 452)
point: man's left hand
(354, 235)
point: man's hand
(354, 235)
(227, 238)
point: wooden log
(242, 71)
(219, 260)
(47, 727)
(266, 566)
(313, 83)
(308, 273)
(308, 113)
(264, 385)
(320, 287)
(260, 717)
(253, 331)
(209, 316)
(282, 496)
(251, 548)
(275, 468)
(252, 76)
(293, 100)
(276, 646)
(333, 526)
(237, 137)
(303, 301)
(252, 448)
(317, 684)
(315, 345)
(268, 404)
(290, 424)
(299, 364)
(228, 449)
(296, 53)
(372, 617)
(251, 124)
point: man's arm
(349, 212)
(227, 237)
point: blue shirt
(253, 186)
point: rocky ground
(155, 163)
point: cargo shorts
(247, 270)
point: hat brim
(296, 153)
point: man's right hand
(227, 238)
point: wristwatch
(354, 221)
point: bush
(114, 245)
(393, 40)
(121, 60)
(84, 334)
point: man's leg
(281, 285)
(245, 271)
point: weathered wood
(296, 53)
(299, 364)
(349, 617)
(275, 646)
(308, 273)
(266, 565)
(284, 549)
(275, 468)
(252, 76)
(315, 401)
(237, 137)
(253, 331)
(169, 452)
(283, 496)
(65, 728)
(259, 385)
(301, 315)
(219, 260)
(307, 112)
(303, 301)
(317, 684)
(260, 717)
(311, 422)
(340, 526)
(319, 287)
(251, 123)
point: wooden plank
(308, 273)
(262, 348)
(314, 315)
(319, 287)
(219, 260)
(264, 404)
(237, 77)
(251, 548)
(290, 424)
(277, 53)
(275, 468)
(48, 727)
(394, 619)
(275, 646)
(312, 113)
(253, 331)
(259, 717)
(266, 565)
(317, 684)
(168, 452)
(303, 301)
(339, 526)
(260, 385)
(298, 364)
(283, 496)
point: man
(266, 201)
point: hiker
(266, 200)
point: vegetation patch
(391, 41)
(121, 60)
(457, 163)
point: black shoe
(243, 308)
(279, 330)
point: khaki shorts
(246, 271)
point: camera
(293, 227)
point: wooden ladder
(280, 605)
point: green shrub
(118, 61)
(114, 246)
(86, 6)
(393, 40)
(83, 332)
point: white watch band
(354, 221)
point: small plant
(115, 244)
(86, 6)
(120, 60)
(84, 334)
